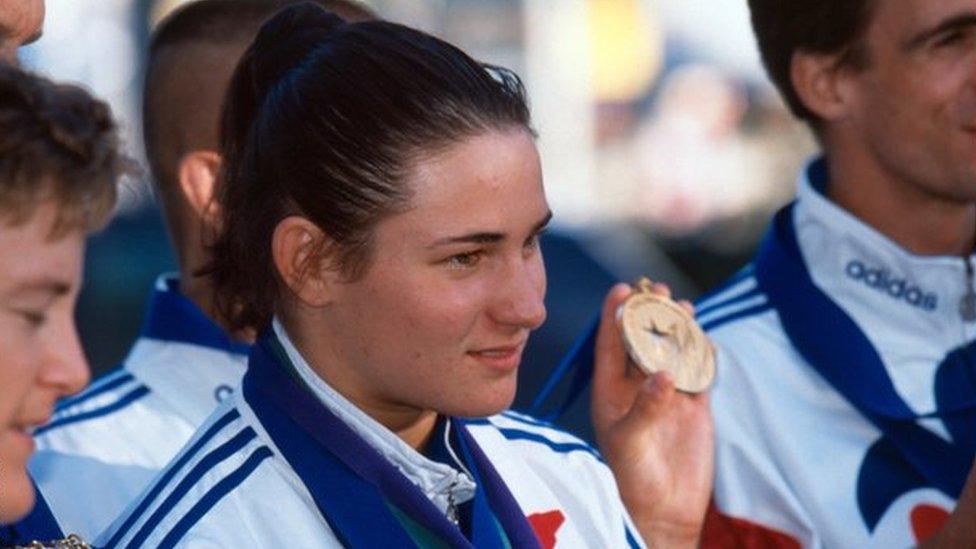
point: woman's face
(455, 284)
(40, 357)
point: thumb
(610, 356)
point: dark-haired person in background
(381, 205)
(113, 438)
(846, 404)
(59, 165)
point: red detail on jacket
(723, 531)
(927, 520)
(545, 526)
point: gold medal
(660, 335)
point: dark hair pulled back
(324, 119)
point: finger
(610, 356)
(661, 289)
(687, 307)
(634, 372)
(653, 399)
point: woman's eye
(464, 261)
(950, 39)
(34, 319)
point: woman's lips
(503, 358)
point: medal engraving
(660, 335)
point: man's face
(915, 106)
(20, 23)
(456, 283)
(40, 357)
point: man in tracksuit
(845, 406)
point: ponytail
(324, 119)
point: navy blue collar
(364, 498)
(813, 321)
(832, 344)
(818, 174)
(170, 316)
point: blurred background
(665, 150)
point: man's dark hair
(57, 144)
(326, 120)
(192, 54)
(827, 27)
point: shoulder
(554, 473)
(758, 367)
(524, 441)
(738, 300)
(224, 456)
(109, 398)
(111, 439)
(118, 418)
(760, 375)
(745, 328)
(536, 435)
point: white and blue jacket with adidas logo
(244, 482)
(845, 403)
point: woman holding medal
(382, 201)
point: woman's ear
(296, 249)
(824, 84)
(197, 172)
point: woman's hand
(658, 442)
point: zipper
(967, 305)
(452, 511)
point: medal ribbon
(366, 500)
(815, 325)
(579, 361)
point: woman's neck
(411, 424)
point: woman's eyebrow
(486, 237)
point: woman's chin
(484, 407)
(16, 495)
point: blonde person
(59, 163)
(114, 437)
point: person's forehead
(490, 159)
(29, 256)
(467, 175)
